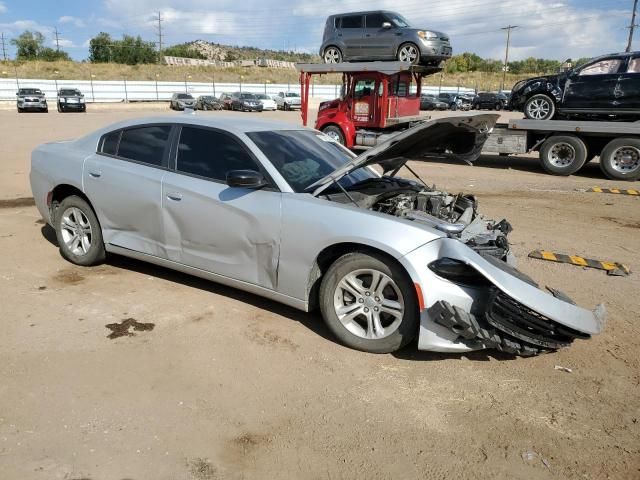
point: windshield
(247, 95)
(69, 92)
(185, 96)
(262, 96)
(398, 20)
(303, 157)
(292, 95)
(30, 91)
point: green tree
(100, 48)
(51, 54)
(28, 45)
(182, 50)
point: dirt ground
(220, 384)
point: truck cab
(375, 101)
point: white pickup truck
(287, 100)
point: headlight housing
(81, 100)
(427, 35)
(457, 271)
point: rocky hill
(228, 53)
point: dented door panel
(233, 232)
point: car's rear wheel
(540, 107)
(409, 52)
(563, 154)
(620, 159)
(335, 133)
(332, 55)
(78, 232)
(369, 303)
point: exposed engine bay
(415, 201)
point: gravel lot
(227, 385)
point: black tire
(620, 159)
(20, 110)
(334, 132)
(59, 109)
(46, 110)
(454, 107)
(563, 154)
(401, 335)
(286, 107)
(543, 105)
(498, 107)
(96, 252)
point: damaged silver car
(289, 214)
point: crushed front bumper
(509, 312)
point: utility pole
(632, 26)
(57, 39)
(508, 28)
(159, 37)
(4, 50)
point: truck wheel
(563, 154)
(332, 55)
(409, 52)
(540, 107)
(369, 303)
(335, 133)
(620, 159)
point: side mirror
(245, 179)
(386, 25)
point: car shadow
(311, 320)
(524, 164)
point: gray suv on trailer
(381, 35)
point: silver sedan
(289, 214)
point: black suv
(490, 101)
(605, 87)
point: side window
(375, 20)
(145, 144)
(352, 21)
(364, 88)
(634, 65)
(211, 154)
(110, 143)
(603, 67)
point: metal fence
(145, 91)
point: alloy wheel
(626, 159)
(332, 55)
(408, 53)
(539, 109)
(76, 231)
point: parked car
(208, 102)
(287, 100)
(287, 213)
(430, 102)
(606, 87)
(245, 102)
(180, 101)
(381, 35)
(267, 102)
(71, 99)
(31, 99)
(455, 101)
(225, 99)
(490, 101)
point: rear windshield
(185, 96)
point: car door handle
(176, 197)
(95, 174)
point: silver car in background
(31, 99)
(381, 35)
(180, 101)
(287, 100)
(287, 213)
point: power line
(633, 25)
(508, 28)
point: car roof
(235, 125)
(365, 12)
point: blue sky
(547, 28)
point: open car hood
(461, 137)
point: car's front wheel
(332, 55)
(540, 107)
(78, 232)
(369, 303)
(409, 52)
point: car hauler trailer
(565, 146)
(377, 99)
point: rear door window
(110, 143)
(352, 21)
(634, 65)
(145, 144)
(211, 154)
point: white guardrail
(150, 91)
